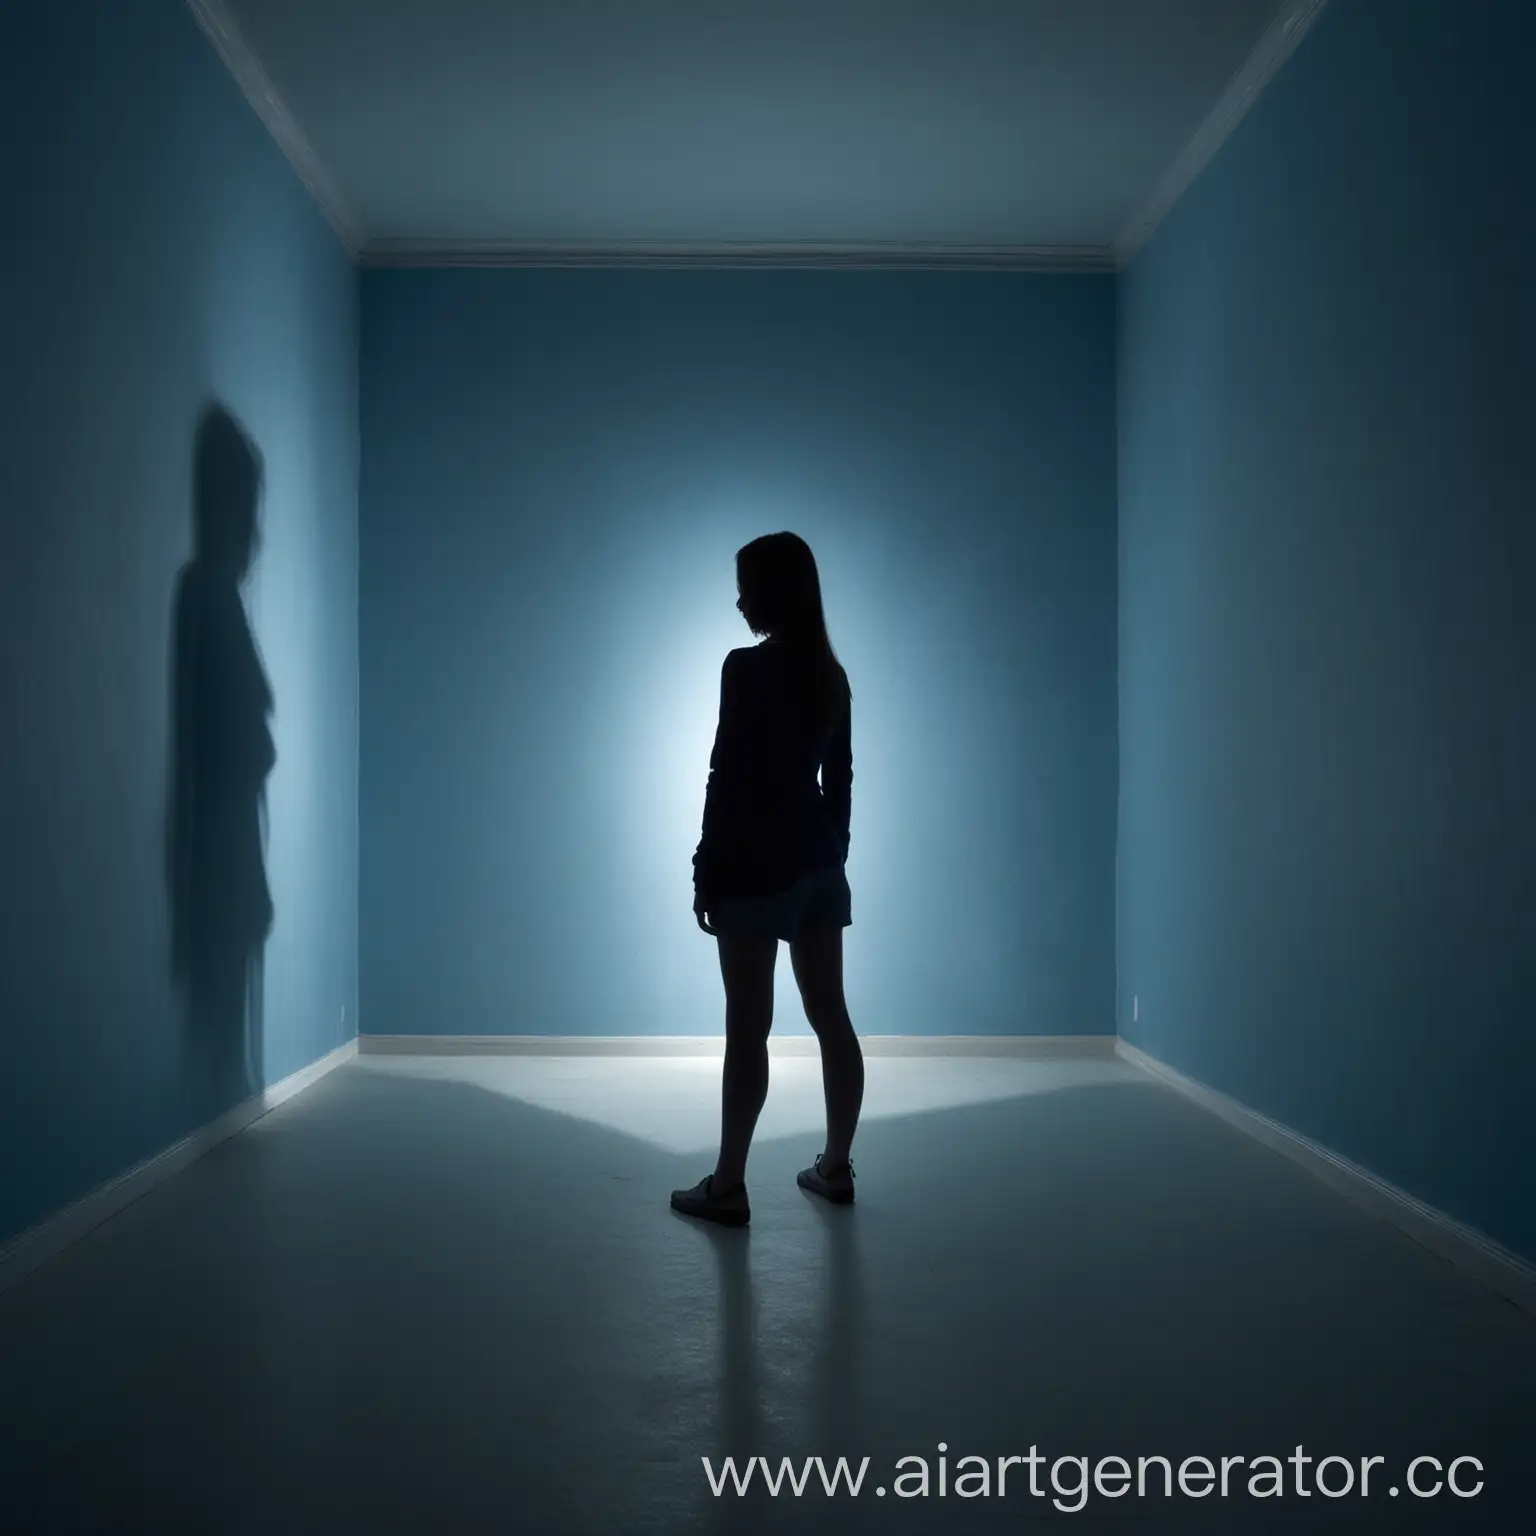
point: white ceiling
(1049, 131)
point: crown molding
(910, 256)
(220, 29)
(1273, 50)
(1269, 56)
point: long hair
(781, 599)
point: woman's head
(780, 597)
(780, 590)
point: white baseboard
(34, 1247)
(1033, 1047)
(1455, 1242)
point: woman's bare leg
(817, 956)
(746, 966)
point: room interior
(391, 384)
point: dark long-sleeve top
(767, 820)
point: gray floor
(447, 1295)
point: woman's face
(754, 621)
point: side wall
(1328, 722)
(161, 256)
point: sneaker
(837, 1187)
(730, 1209)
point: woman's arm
(837, 776)
(724, 771)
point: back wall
(558, 468)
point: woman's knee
(747, 1024)
(829, 1019)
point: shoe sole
(720, 1218)
(831, 1196)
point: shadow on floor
(404, 1305)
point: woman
(770, 864)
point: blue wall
(1327, 833)
(557, 471)
(159, 254)
(1325, 718)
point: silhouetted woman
(770, 864)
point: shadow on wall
(221, 754)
